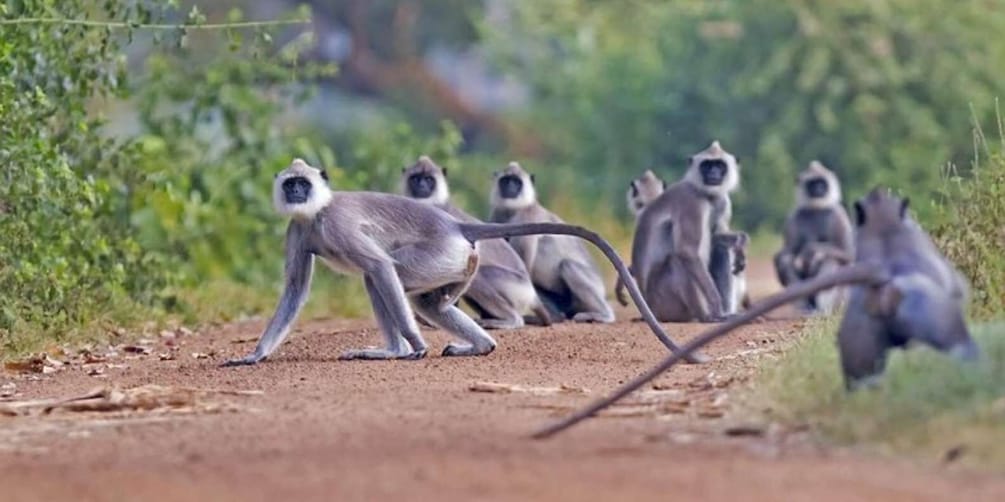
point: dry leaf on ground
(506, 388)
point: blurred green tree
(882, 91)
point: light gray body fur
(561, 269)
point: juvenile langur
(501, 291)
(817, 237)
(727, 264)
(902, 290)
(410, 254)
(560, 267)
(673, 242)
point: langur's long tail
(477, 232)
(853, 274)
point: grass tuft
(927, 405)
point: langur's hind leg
(397, 346)
(588, 293)
(457, 323)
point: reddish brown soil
(332, 430)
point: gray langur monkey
(817, 236)
(641, 191)
(561, 269)
(727, 263)
(410, 254)
(501, 291)
(902, 290)
(672, 247)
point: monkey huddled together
(420, 256)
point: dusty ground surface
(329, 430)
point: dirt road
(330, 430)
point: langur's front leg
(299, 268)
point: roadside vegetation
(929, 406)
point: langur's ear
(904, 204)
(444, 171)
(532, 180)
(324, 174)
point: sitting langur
(641, 191)
(501, 291)
(817, 237)
(901, 290)
(410, 254)
(560, 267)
(674, 237)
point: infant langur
(728, 259)
(560, 267)
(410, 254)
(501, 291)
(817, 237)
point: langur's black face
(421, 185)
(713, 171)
(510, 186)
(816, 188)
(296, 190)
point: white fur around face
(817, 170)
(714, 152)
(321, 194)
(528, 195)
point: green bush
(64, 260)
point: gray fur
(560, 267)
(922, 302)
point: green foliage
(877, 90)
(62, 257)
(969, 228)
(927, 404)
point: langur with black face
(410, 254)
(817, 237)
(675, 235)
(902, 290)
(561, 269)
(501, 291)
